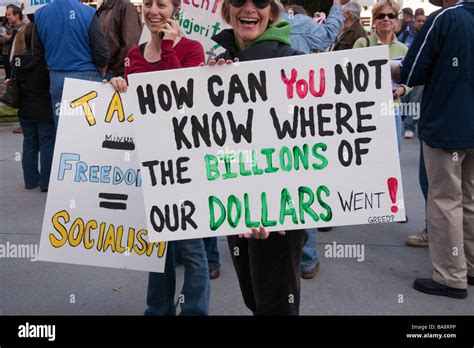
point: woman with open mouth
(267, 265)
(166, 50)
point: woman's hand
(118, 83)
(219, 62)
(260, 233)
(399, 92)
(170, 30)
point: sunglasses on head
(260, 4)
(383, 15)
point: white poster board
(32, 5)
(223, 148)
(200, 21)
(94, 212)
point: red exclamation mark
(392, 190)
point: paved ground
(342, 287)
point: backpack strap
(367, 41)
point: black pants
(6, 65)
(269, 272)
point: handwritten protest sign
(94, 211)
(30, 6)
(288, 143)
(199, 20)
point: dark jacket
(122, 28)
(349, 36)
(33, 83)
(275, 260)
(260, 50)
(441, 58)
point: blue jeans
(212, 252)
(196, 287)
(309, 254)
(57, 84)
(38, 137)
(399, 126)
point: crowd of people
(436, 72)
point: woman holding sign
(267, 265)
(168, 49)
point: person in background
(307, 36)
(384, 16)
(35, 111)
(406, 33)
(410, 36)
(440, 58)
(352, 29)
(212, 253)
(69, 35)
(169, 50)
(14, 18)
(268, 264)
(407, 21)
(122, 28)
(421, 239)
(414, 98)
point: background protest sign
(199, 20)
(289, 143)
(30, 6)
(94, 211)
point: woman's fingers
(221, 61)
(119, 84)
(212, 62)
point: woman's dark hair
(16, 11)
(297, 9)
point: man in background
(441, 58)
(122, 28)
(69, 34)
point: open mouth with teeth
(249, 22)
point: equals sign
(113, 197)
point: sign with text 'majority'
(288, 143)
(94, 212)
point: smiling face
(385, 25)
(12, 19)
(249, 22)
(156, 12)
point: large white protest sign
(94, 211)
(289, 143)
(199, 20)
